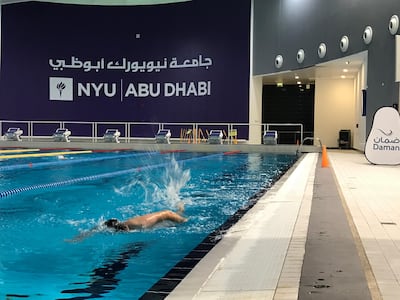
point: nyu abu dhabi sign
(65, 89)
(155, 63)
(383, 143)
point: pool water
(46, 202)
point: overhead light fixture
(279, 84)
(343, 77)
(298, 82)
(296, 77)
(347, 62)
(345, 70)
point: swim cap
(111, 222)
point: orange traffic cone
(325, 160)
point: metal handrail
(94, 127)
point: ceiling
(346, 67)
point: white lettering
(83, 90)
(113, 90)
(99, 89)
(186, 89)
(191, 89)
(204, 88)
(169, 89)
(143, 90)
(180, 88)
(131, 90)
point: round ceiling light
(394, 24)
(322, 50)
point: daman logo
(61, 89)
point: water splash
(164, 194)
(174, 179)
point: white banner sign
(383, 143)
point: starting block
(215, 137)
(13, 134)
(163, 136)
(112, 136)
(270, 137)
(61, 135)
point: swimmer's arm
(83, 235)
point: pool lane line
(11, 156)
(63, 162)
(17, 150)
(46, 186)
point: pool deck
(285, 248)
(150, 145)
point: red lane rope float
(232, 152)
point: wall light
(300, 56)
(278, 61)
(322, 50)
(367, 35)
(394, 24)
(344, 43)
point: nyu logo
(61, 89)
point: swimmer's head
(115, 224)
(111, 223)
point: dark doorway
(289, 104)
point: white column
(255, 110)
(255, 93)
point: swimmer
(139, 222)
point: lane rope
(43, 186)
(17, 150)
(68, 161)
(44, 154)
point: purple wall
(184, 62)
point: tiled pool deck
(261, 257)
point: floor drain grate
(321, 286)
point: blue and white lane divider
(70, 161)
(45, 186)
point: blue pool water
(45, 202)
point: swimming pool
(46, 201)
